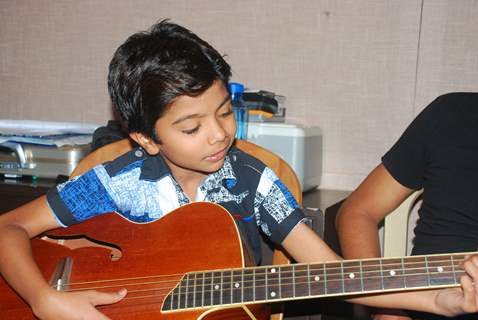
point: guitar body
(150, 261)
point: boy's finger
(471, 267)
(470, 296)
(101, 298)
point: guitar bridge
(61, 276)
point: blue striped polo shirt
(141, 188)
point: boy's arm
(364, 209)
(16, 262)
(304, 245)
(18, 268)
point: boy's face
(195, 132)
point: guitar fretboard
(299, 281)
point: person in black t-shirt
(438, 153)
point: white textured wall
(361, 70)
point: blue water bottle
(240, 110)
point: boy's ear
(145, 142)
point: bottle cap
(235, 87)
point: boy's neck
(190, 184)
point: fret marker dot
(216, 286)
(352, 275)
(440, 269)
(236, 285)
(273, 294)
(273, 270)
(316, 278)
(392, 272)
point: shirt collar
(225, 175)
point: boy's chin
(214, 167)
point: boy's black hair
(152, 68)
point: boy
(169, 86)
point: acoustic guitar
(192, 264)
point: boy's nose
(217, 133)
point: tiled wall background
(360, 70)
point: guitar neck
(315, 280)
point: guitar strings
(379, 268)
(383, 268)
(301, 280)
(175, 279)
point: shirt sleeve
(407, 159)
(276, 210)
(80, 199)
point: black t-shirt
(439, 153)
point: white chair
(396, 234)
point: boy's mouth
(221, 154)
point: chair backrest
(395, 229)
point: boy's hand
(59, 305)
(457, 301)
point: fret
(457, 279)
(403, 272)
(342, 274)
(440, 270)
(286, 277)
(198, 290)
(352, 276)
(427, 271)
(334, 281)
(208, 289)
(169, 301)
(273, 284)
(293, 280)
(308, 279)
(190, 294)
(381, 274)
(173, 303)
(226, 287)
(392, 274)
(361, 276)
(182, 292)
(237, 285)
(248, 285)
(260, 284)
(280, 281)
(316, 279)
(372, 275)
(301, 283)
(242, 285)
(216, 288)
(456, 259)
(415, 272)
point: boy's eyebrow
(196, 115)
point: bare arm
(16, 229)
(19, 269)
(364, 209)
(360, 214)
(306, 246)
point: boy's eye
(227, 113)
(191, 131)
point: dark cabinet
(16, 192)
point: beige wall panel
(448, 59)
(346, 66)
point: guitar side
(154, 256)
